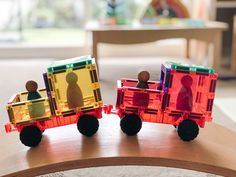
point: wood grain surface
(63, 148)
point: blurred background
(25, 20)
(42, 28)
(42, 22)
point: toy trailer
(183, 97)
(72, 95)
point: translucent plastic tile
(186, 67)
(23, 111)
(134, 100)
(75, 88)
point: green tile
(191, 68)
(70, 63)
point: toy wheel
(131, 124)
(187, 130)
(87, 125)
(30, 136)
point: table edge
(124, 161)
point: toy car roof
(70, 63)
(187, 67)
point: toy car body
(162, 103)
(31, 117)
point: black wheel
(131, 124)
(87, 125)
(30, 136)
(187, 130)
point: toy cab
(183, 97)
(189, 92)
(73, 85)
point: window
(42, 22)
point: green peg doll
(143, 78)
(36, 110)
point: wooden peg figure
(143, 78)
(36, 109)
(74, 93)
(185, 96)
(142, 99)
(32, 86)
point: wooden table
(211, 34)
(63, 148)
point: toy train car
(32, 117)
(183, 97)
